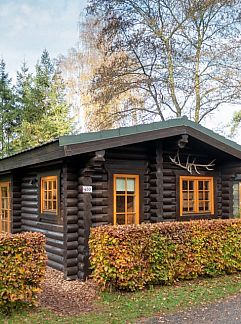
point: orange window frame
(136, 194)
(49, 193)
(5, 211)
(196, 192)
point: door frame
(137, 195)
(8, 185)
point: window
(237, 199)
(126, 199)
(5, 207)
(196, 195)
(49, 195)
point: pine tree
(23, 104)
(45, 114)
(7, 112)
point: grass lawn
(123, 307)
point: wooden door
(126, 199)
(5, 208)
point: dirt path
(226, 311)
(66, 297)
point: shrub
(132, 257)
(22, 268)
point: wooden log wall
(171, 174)
(16, 204)
(70, 211)
(31, 222)
(218, 194)
(170, 199)
(92, 207)
(100, 195)
(147, 193)
(132, 159)
(156, 184)
(84, 222)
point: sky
(29, 26)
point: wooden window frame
(9, 222)
(137, 196)
(196, 211)
(49, 179)
(48, 216)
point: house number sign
(87, 189)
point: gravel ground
(226, 311)
(66, 297)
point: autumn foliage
(132, 257)
(22, 268)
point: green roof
(138, 129)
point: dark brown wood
(42, 154)
(70, 198)
(16, 203)
(30, 219)
(146, 155)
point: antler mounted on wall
(190, 166)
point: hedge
(22, 268)
(132, 257)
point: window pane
(4, 191)
(120, 219)
(130, 203)
(207, 208)
(201, 195)
(185, 205)
(49, 205)
(185, 195)
(206, 185)
(45, 185)
(130, 185)
(120, 185)
(200, 185)
(49, 195)
(120, 204)
(191, 195)
(184, 185)
(54, 194)
(131, 219)
(191, 206)
(201, 206)
(191, 185)
(50, 185)
(4, 203)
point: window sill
(49, 218)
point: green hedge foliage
(22, 268)
(132, 257)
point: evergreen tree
(45, 114)
(7, 111)
(23, 103)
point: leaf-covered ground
(66, 297)
(74, 302)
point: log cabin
(164, 171)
